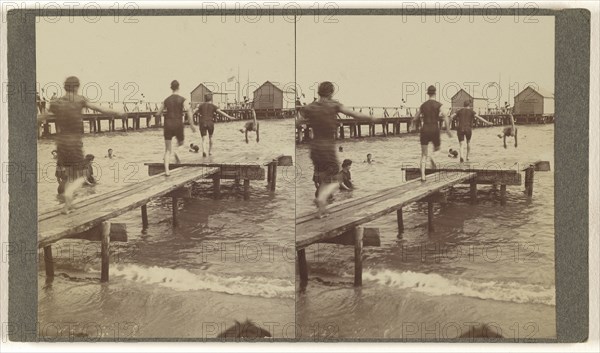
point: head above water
(54, 152)
(110, 150)
(174, 85)
(369, 155)
(71, 84)
(431, 90)
(326, 89)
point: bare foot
(321, 208)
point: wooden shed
(198, 94)
(268, 96)
(531, 101)
(480, 104)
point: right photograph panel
(425, 184)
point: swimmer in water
(54, 154)
(194, 148)
(346, 177)
(369, 159)
(110, 154)
(452, 153)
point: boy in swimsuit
(509, 131)
(206, 112)
(251, 126)
(71, 165)
(175, 108)
(430, 112)
(322, 115)
(464, 126)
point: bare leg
(210, 145)
(460, 149)
(504, 141)
(167, 156)
(204, 149)
(468, 149)
(246, 136)
(257, 139)
(325, 191)
(424, 149)
(515, 137)
(70, 188)
(434, 157)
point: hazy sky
(156, 50)
(374, 59)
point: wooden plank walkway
(53, 225)
(347, 215)
(351, 215)
(244, 166)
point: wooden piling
(217, 187)
(144, 216)
(529, 174)
(247, 189)
(473, 191)
(302, 267)
(430, 226)
(48, 261)
(503, 194)
(105, 248)
(174, 208)
(400, 220)
(274, 176)
(358, 246)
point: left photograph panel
(166, 195)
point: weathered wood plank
(310, 229)
(51, 229)
(483, 176)
(371, 237)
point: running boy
(175, 108)
(206, 122)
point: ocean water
(227, 260)
(484, 263)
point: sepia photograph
(425, 206)
(165, 208)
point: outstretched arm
(188, 116)
(447, 121)
(355, 114)
(482, 120)
(103, 110)
(224, 114)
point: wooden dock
(344, 223)
(400, 125)
(238, 167)
(91, 217)
(346, 219)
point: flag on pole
(231, 79)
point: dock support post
(358, 246)
(473, 191)
(217, 187)
(529, 172)
(302, 267)
(503, 194)
(48, 261)
(105, 247)
(400, 220)
(174, 203)
(269, 174)
(247, 189)
(144, 217)
(273, 176)
(430, 217)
